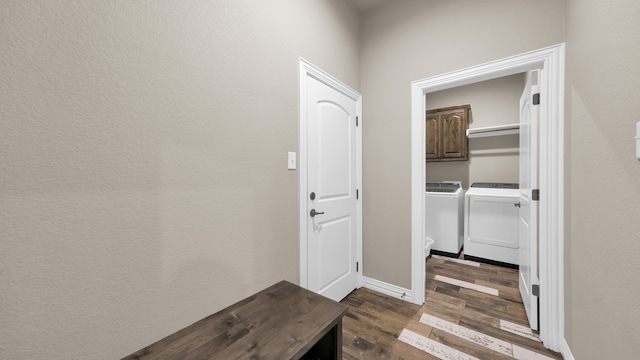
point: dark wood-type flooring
(374, 322)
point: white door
(528, 227)
(331, 190)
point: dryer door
(493, 220)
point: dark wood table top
(282, 321)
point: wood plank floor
(467, 309)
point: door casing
(306, 69)
(550, 61)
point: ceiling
(364, 5)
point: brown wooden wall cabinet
(283, 321)
(447, 134)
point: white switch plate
(291, 161)
(638, 140)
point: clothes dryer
(491, 223)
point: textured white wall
(603, 180)
(143, 180)
(411, 40)
(491, 159)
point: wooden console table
(283, 321)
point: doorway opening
(550, 62)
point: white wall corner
(387, 289)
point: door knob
(517, 204)
(314, 213)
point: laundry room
(472, 170)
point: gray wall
(143, 147)
(602, 86)
(404, 41)
(603, 180)
(491, 159)
(143, 151)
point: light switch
(638, 140)
(291, 161)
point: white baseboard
(565, 351)
(387, 289)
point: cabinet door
(454, 137)
(433, 136)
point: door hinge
(535, 194)
(535, 290)
(536, 99)
(357, 193)
(357, 266)
(356, 121)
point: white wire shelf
(497, 130)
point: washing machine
(444, 218)
(491, 223)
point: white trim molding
(550, 61)
(387, 289)
(306, 69)
(565, 351)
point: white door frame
(551, 175)
(309, 70)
